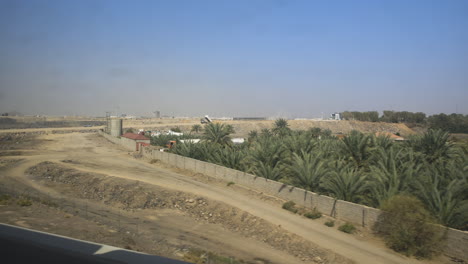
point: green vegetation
(290, 206)
(176, 129)
(230, 183)
(24, 201)
(5, 199)
(218, 133)
(388, 116)
(347, 228)
(360, 168)
(48, 202)
(196, 128)
(453, 123)
(198, 256)
(162, 140)
(330, 223)
(407, 227)
(314, 214)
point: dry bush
(407, 227)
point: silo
(108, 126)
(116, 127)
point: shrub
(49, 203)
(176, 129)
(290, 206)
(230, 183)
(198, 256)
(4, 199)
(314, 214)
(347, 228)
(407, 227)
(330, 223)
(24, 201)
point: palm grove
(359, 168)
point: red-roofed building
(135, 141)
(389, 135)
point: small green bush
(49, 203)
(153, 161)
(230, 183)
(330, 223)
(314, 214)
(290, 206)
(4, 199)
(347, 228)
(407, 227)
(24, 201)
(176, 129)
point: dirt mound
(242, 128)
(129, 195)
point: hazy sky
(233, 58)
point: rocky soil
(133, 195)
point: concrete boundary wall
(457, 241)
(124, 142)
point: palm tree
(217, 133)
(296, 143)
(267, 171)
(345, 183)
(266, 150)
(382, 141)
(445, 202)
(196, 128)
(281, 127)
(356, 147)
(230, 158)
(307, 170)
(315, 132)
(252, 135)
(230, 129)
(434, 144)
(265, 132)
(391, 174)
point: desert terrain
(82, 186)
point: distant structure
(136, 141)
(115, 127)
(157, 114)
(335, 116)
(249, 118)
(206, 120)
(108, 128)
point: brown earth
(84, 178)
(242, 128)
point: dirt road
(92, 154)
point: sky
(233, 58)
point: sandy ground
(241, 128)
(95, 175)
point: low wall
(124, 142)
(457, 241)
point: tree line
(388, 116)
(359, 168)
(453, 123)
